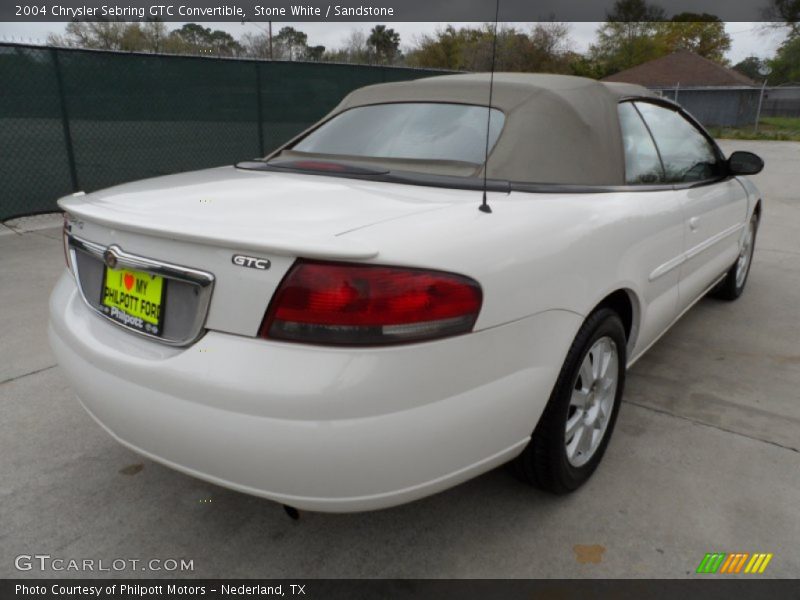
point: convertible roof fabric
(558, 129)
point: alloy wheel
(592, 401)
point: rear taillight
(340, 303)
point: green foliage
(770, 128)
(196, 39)
(315, 53)
(786, 63)
(751, 67)
(634, 32)
(786, 11)
(702, 34)
(628, 37)
(545, 48)
(631, 11)
(151, 36)
(290, 44)
(384, 43)
(637, 32)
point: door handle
(693, 222)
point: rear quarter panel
(540, 252)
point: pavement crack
(717, 427)
(779, 251)
(23, 375)
(6, 228)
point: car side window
(686, 153)
(642, 164)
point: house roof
(683, 68)
(558, 128)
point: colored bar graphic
(759, 562)
(711, 562)
(741, 562)
(728, 562)
(733, 563)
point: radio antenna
(484, 207)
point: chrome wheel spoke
(573, 448)
(586, 441)
(609, 382)
(573, 423)
(602, 364)
(604, 410)
(585, 375)
(597, 359)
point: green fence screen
(83, 120)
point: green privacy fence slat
(103, 118)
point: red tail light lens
(339, 303)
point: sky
(747, 39)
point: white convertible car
(338, 327)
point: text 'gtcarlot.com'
(45, 562)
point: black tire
(544, 462)
(729, 289)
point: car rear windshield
(408, 130)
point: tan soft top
(558, 128)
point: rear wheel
(732, 286)
(573, 432)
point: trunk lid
(200, 220)
(288, 214)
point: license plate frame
(132, 306)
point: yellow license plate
(134, 298)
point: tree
(193, 34)
(628, 37)
(223, 43)
(113, 35)
(385, 44)
(636, 32)
(445, 49)
(633, 11)
(752, 66)
(545, 48)
(354, 49)
(102, 35)
(702, 34)
(256, 45)
(149, 36)
(291, 43)
(196, 39)
(154, 34)
(315, 53)
(787, 12)
(785, 65)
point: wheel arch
(625, 303)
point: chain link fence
(83, 120)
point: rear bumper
(321, 429)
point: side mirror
(744, 163)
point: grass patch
(770, 128)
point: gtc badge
(262, 264)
